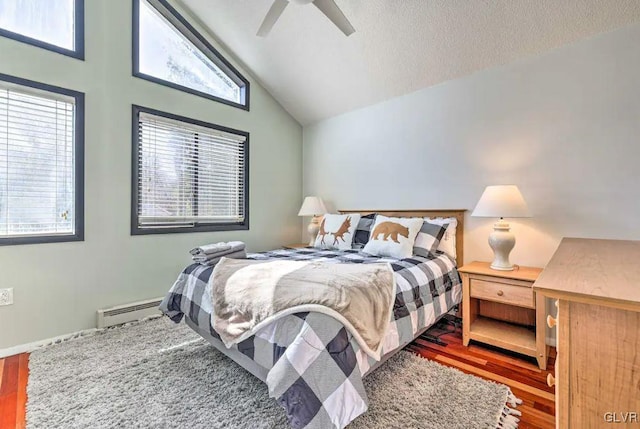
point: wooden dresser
(596, 285)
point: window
(57, 25)
(41, 162)
(188, 176)
(169, 51)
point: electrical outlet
(6, 296)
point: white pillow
(336, 231)
(448, 242)
(393, 236)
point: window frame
(77, 52)
(177, 20)
(78, 147)
(135, 171)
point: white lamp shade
(501, 201)
(312, 206)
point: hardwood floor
(520, 373)
(13, 390)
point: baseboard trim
(29, 347)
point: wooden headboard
(458, 214)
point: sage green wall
(59, 287)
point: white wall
(58, 287)
(564, 127)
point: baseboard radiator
(128, 312)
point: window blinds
(37, 177)
(188, 174)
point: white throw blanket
(248, 295)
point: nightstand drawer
(501, 292)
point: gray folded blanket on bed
(242, 254)
(210, 254)
(210, 248)
(249, 294)
(218, 249)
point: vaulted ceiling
(399, 46)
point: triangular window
(169, 51)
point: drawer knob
(551, 322)
(551, 380)
(500, 293)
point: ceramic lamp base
(501, 241)
(313, 229)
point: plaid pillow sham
(428, 238)
(363, 230)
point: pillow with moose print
(393, 236)
(336, 231)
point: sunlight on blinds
(37, 183)
(188, 174)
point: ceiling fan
(328, 7)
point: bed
(311, 364)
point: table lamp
(313, 206)
(501, 201)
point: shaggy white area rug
(156, 374)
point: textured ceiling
(399, 46)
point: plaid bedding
(314, 367)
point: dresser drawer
(501, 292)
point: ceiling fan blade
(333, 12)
(272, 16)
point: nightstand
(500, 308)
(296, 246)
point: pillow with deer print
(393, 236)
(336, 231)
